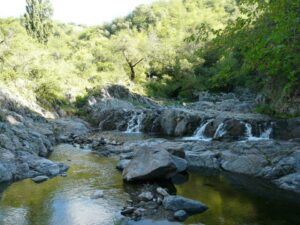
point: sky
(88, 12)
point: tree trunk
(132, 72)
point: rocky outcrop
(123, 93)
(241, 101)
(27, 137)
(118, 109)
(178, 123)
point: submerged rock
(97, 194)
(180, 215)
(176, 203)
(162, 192)
(146, 196)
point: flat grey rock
(40, 179)
(176, 203)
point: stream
(232, 200)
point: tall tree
(38, 19)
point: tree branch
(138, 62)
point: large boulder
(150, 163)
(287, 129)
(64, 127)
(234, 130)
(251, 164)
(176, 203)
(178, 123)
(113, 119)
(39, 166)
(168, 122)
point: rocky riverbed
(162, 144)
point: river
(232, 200)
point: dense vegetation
(169, 49)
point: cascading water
(135, 123)
(199, 133)
(265, 135)
(248, 130)
(220, 132)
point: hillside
(170, 49)
(183, 112)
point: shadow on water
(238, 200)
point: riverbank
(219, 132)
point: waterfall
(199, 133)
(135, 123)
(248, 130)
(265, 135)
(220, 131)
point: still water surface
(66, 201)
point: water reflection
(66, 201)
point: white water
(265, 135)
(199, 133)
(135, 123)
(220, 132)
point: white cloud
(90, 12)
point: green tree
(38, 19)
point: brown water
(66, 201)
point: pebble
(162, 191)
(146, 196)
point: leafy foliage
(259, 50)
(169, 49)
